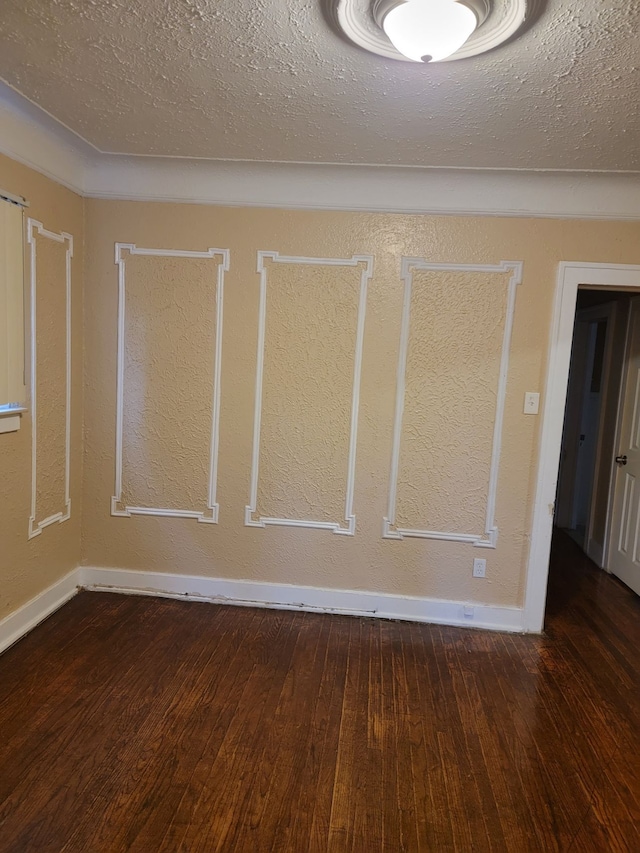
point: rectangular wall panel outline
(489, 537)
(213, 509)
(35, 230)
(251, 508)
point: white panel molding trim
(571, 274)
(312, 599)
(489, 537)
(14, 626)
(250, 509)
(31, 136)
(211, 516)
(35, 230)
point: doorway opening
(619, 282)
(587, 472)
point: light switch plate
(531, 403)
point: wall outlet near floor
(531, 403)
(479, 568)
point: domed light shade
(429, 30)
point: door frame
(570, 275)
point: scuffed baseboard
(255, 594)
(314, 599)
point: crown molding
(31, 136)
(388, 189)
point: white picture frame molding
(210, 516)
(489, 537)
(36, 229)
(349, 516)
(571, 274)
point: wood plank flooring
(144, 725)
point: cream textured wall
(27, 566)
(311, 312)
(309, 340)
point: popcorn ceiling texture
(51, 376)
(311, 321)
(269, 80)
(27, 566)
(445, 450)
(169, 379)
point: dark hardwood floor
(141, 724)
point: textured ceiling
(269, 80)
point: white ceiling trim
(30, 136)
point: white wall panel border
(36, 229)
(489, 537)
(212, 504)
(349, 516)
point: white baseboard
(255, 594)
(314, 599)
(21, 621)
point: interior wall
(29, 565)
(321, 304)
(327, 310)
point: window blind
(12, 388)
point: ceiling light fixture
(431, 30)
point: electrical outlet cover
(479, 567)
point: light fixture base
(498, 21)
(481, 8)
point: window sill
(10, 419)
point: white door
(624, 553)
